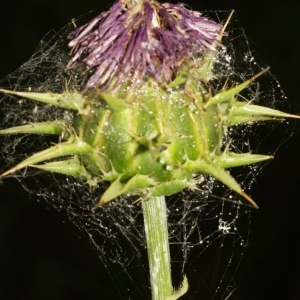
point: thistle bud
(145, 119)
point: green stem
(156, 230)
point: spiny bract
(153, 127)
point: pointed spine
(67, 100)
(56, 127)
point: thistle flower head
(140, 39)
(146, 140)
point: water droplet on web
(162, 160)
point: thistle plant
(146, 116)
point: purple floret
(152, 40)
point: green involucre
(147, 139)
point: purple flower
(138, 39)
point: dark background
(42, 258)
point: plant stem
(156, 230)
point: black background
(42, 258)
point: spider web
(208, 228)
